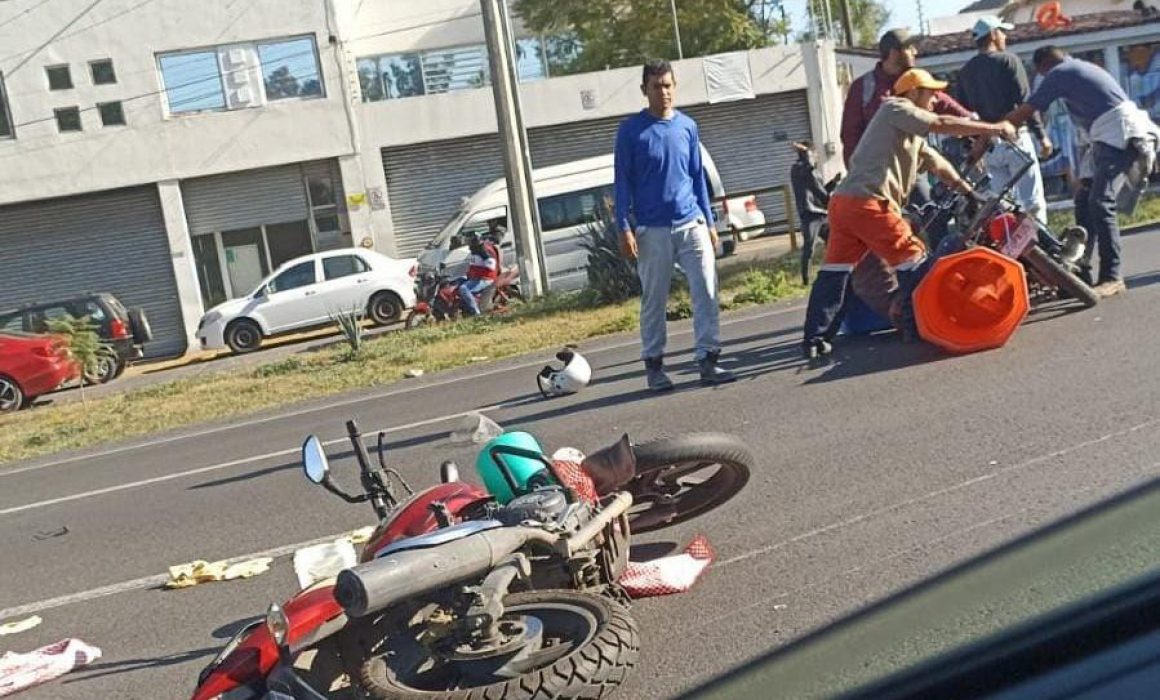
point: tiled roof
(1030, 31)
(981, 5)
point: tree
(867, 17)
(590, 35)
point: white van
(570, 197)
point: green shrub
(612, 277)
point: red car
(31, 365)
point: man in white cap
(865, 211)
(992, 84)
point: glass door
(246, 260)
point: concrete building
(174, 153)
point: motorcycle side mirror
(314, 461)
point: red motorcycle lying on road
(465, 593)
(438, 296)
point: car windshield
(1057, 570)
(449, 229)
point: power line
(217, 76)
(54, 37)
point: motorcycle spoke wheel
(581, 644)
(677, 493)
(682, 478)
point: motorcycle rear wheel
(1057, 275)
(596, 638)
(684, 477)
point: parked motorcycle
(466, 593)
(995, 221)
(438, 296)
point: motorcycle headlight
(278, 624)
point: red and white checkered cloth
(664, 576)
(668, 575)
(22, 671)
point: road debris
(50, 534)
(22, 671)
(667, 575)
(20, 626)
(413, 373)
(362, 534)
(195, 572)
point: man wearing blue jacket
(661, 187)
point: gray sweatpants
(659, 247)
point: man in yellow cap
(865, 211)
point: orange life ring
(1050, 16)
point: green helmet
(508, 475)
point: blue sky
(902, 12)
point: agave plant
(350, 323)
(611, 276)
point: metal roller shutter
(553, 145)
(426, 183)
(244, 199)
(103, 242)
(745, 140)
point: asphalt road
(888, 466)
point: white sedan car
(310, 291)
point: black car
(123, 331)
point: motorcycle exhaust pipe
(377, 585)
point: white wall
(41, 163)
(394, 26)
(558, 100)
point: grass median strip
(383, 360)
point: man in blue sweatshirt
(661, 188)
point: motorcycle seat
(439, 537)
(611, 467)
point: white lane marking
(147, 581)
(157, 580)
(939, 492)
(352, 401)
(223, 465)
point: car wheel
(243, 335)
(108, 367)
(11, 396)
(385, 308)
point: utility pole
(517, 167)
(847, 28)
(676, 28)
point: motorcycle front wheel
(680, 478)
(585, 646)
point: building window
(6, 131)
(290, 69)
(103, 72)
(68, 118)
(59, 77)
(390, 77)
(112, 113)
(432, 72)
(1140, 76)
(193, 82)
(240, 76)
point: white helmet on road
(569, 379)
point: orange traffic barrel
(970, 301)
